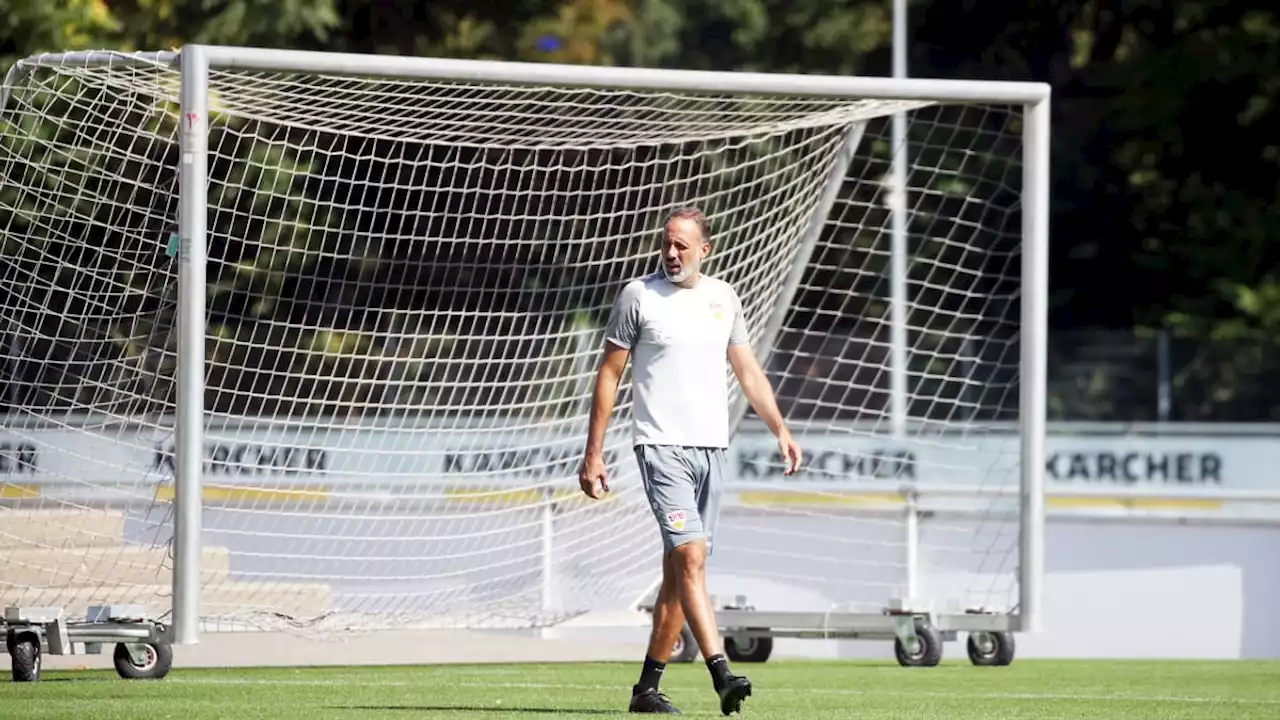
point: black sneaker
(651, 701)
(735, 690)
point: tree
(1165, 172)
(38, 26)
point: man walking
(681, 326)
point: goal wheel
(686, 647)
(927, 650)
(24, 656)
(143, 661)
(990, 648)
(750, 649)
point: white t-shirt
(678, 338)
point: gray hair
(689, 212)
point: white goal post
(324, 325)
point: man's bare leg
(668, 620)
(691, 565)
(668, 615)
(690, 561)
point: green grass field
(783, 689)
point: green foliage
(763, 35)
(31, 26)
(1166, 167)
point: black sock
(650, 674)
(719, 667)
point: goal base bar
(736, 616)
(917, 631)
(852, 625)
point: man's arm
(592, 474)
(755, 386)
(603, 396)
(621, 334)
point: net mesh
(407, 283)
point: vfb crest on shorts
(675, 519)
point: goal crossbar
(194, 63)
(221, 57)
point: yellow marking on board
(1134, 503)
(512, 497)
(814, 498)
(774, 499)
(230, 493)
(19, 492)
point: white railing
(913, 503)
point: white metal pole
(192, 210)
(1033, 361)
(913, 545)
(539, 74)
(587, 338)
(818, 218)
(17, 366)
(1164, 373)
(609, 76)
(548, 546)
(898, 248)
(548, 590)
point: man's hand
(790, 452)
(592, 476)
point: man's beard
(686, 272)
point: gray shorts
(683, 485)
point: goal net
(407, 281)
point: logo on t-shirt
(717, 311)
(675, 519)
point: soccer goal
(305, 341)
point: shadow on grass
(477, 709)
